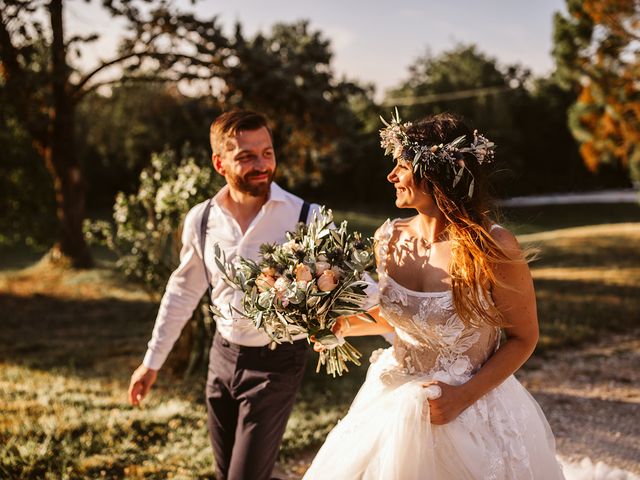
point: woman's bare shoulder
(506, 240)
(392, 225)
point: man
(250, 388)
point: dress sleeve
(382, 236)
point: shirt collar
(277, 193)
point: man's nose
(261, 161)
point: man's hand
(141, 381)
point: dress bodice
(430, 336)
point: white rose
(281, 284)
(291, 246)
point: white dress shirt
(188, 282)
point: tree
(118, 133)
(44, 88)
(597, 55)
(467, 82)
(26, 195)
(287, 75)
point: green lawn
(71, 339)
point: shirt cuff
(153, 360)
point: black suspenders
(203, 235)
(304, 214)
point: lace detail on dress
(430, 336)
(512, 458)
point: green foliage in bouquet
(304, 285)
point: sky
(372, 42)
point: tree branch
(83, 81)
(79, 92)
(116, 81)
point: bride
(442, 402)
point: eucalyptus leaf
(458, 176)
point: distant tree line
(72, 139)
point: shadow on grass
(605, 252)
(89, 337)
(575, 311)
(19, 257)
(66, 364)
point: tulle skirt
(387, 434)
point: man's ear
(216, 160)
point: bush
(147, 230)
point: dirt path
(591, 396)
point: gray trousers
(250, 393)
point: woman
(443, 403)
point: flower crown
(430, 158)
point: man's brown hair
(230, 123)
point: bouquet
(304, 285)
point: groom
(250, 388)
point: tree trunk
(60, 157)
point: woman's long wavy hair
(474, 252)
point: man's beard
(243, 184)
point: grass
(71, 339)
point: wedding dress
(387, 433)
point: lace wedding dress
(387, 434)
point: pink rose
(336, 272)
(303, 273)
(327, 281)
(265, 282)
(321, 267)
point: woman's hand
(451, 402)
(338, 329)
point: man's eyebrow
(251, 151)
